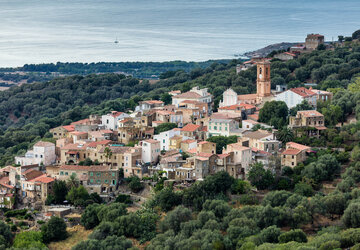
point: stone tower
(263, 83)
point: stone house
(308, 119)
(294, 154)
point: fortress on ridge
(263, 89)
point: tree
(334, 204)
(78, 196)
(165, 127)
(29, 239)
(222, 141)
(293, 235)
(72, 182)
(351, 217)
(340, 39)
(354, 86)
(135, 184)
(174, 218)
(166, 98)
(332, 115)
(89, 218)
(5, 233)
(259, 177)
(303, 189)
(54, 230)
(304, 105)
(240, 187)
(60, 191)
(274, 113)
(270, 234)
(285, 135)
(276, 198)
(107, 154)
(166, 199)
(356, 35)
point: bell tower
(263, 83)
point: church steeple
(263, 83)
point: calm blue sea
(37, 31)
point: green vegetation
(54, 230)
(222, 141)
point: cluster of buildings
(98, 150)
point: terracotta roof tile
(190, 127)
(69, 128)
(291, 151)
(43, 179)
(85, 168)
(189, 94)
(310, 113)
(297, 146)
(304, 92)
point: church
(263, 89)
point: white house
(222, 127)
(42, 153)
(164, 138)
(150, 104)
(295, 96)
(150, 151)
(110, 121)
(195, 94)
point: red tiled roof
(206, 155)
(310, 113)
(297, 146)
(254, 117)
(188, 141)
(304, 92)
(221, 156)
(69, 128)
(238, 106)
(238, 146)
(190, 127)
(116, 113)
(153, 102)
(291, 151)
(7, 185)
(247, 97)
(321, 127)
(204, 142)
(84, 121)
(192, 151)
(189, 94)
(43, 179)
(290, 54)
(85, 168)
(71, 146)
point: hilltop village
(211, 155)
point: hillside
(28, 111)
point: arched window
(260, 71)
(267, 71)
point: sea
(43, 31)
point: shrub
(351, 217)
(124, 198)
(293, 235)
(54, 230)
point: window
(292, 157)
(66, 173)
(61, 173)
(91, 181)
(91, 174)
(99, 181)
(107, 121)
(98, 174)
(114, 182)
(113, 174)
(106, 181)
(138, 171)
